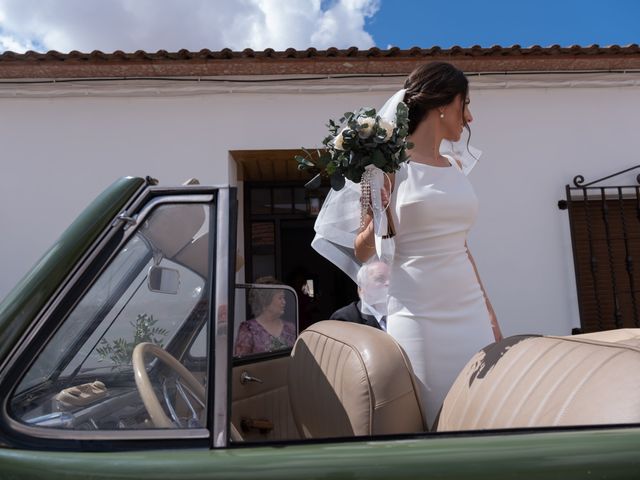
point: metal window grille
(605, 236)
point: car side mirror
(163, 280)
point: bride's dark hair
(433, 85)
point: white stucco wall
(537, 133)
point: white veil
(338, 222)
(337, 226)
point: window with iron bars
(605, 234)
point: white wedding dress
(437, 311)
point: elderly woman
(267, 332)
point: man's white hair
(363, 272)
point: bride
(438, 310)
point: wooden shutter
(606, 241)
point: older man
(371, 309)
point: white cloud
(152, 25)
(8, 42)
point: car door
(260, 407)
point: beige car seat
(548, 381)
(347, 379)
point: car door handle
(245, 378)
(261, 424)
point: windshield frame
(85, 275)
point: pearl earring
(441, 114)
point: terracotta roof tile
(332, 52)
(311, 61)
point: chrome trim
(186, 389)
(246, 377)
(185, 399)
(133, 434)
(58, 296)
(53, 419)
(196, 189)
(123, 217)
(167, 402)
(194, 198)
(221, 297)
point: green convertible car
(124, 353)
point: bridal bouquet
(360, 139)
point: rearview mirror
(163, 280)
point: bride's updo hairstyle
(433, 85)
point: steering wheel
(149, 398)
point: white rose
(366, 126)
(338, 141)
(388, 127)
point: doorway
(278, 225)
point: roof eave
(207, 63)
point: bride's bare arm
(497, 334)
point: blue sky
(406, 23)
(151, 25)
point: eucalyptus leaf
(402, 112)
(304, 162)
(324, 159)
(314, 183)
(355, 174)
(378, 158)
(337, 181)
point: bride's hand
(367, 219)
(384, 195)
(387, 188)
(497, 333)
(364, 243)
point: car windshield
(119, 311)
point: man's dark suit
(352, 313)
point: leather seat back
(548, 381)
(347, 379)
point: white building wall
(60, 150)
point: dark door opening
(279, 220)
